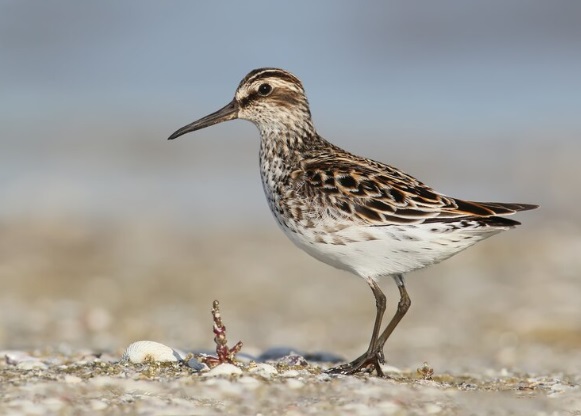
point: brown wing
(378, 194)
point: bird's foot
(363, 364)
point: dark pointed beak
(228, 112)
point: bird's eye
(264, 89)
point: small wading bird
(350, 212)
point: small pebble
(100, 382)
(31, 365)
(264, 370)
(290, 373)
(142, 351)
(68, 378)
(196, 365)
(97, 404)
(249, 381)
(293, 383)
(225, 369)
(558, 387)
(15, 357)
(293, 360)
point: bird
(351, 212)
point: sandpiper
(350, 212)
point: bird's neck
(287, 139)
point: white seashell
(141, 351)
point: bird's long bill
(228, 112)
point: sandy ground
(499, 324)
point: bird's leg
(374, 354)
(402, 307)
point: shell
(142, 351)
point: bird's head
(273, 99)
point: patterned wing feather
(379, 194)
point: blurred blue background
(480, 100)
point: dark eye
(264, 89)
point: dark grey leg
(402, 308)
(373, 356)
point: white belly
(388, 250)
